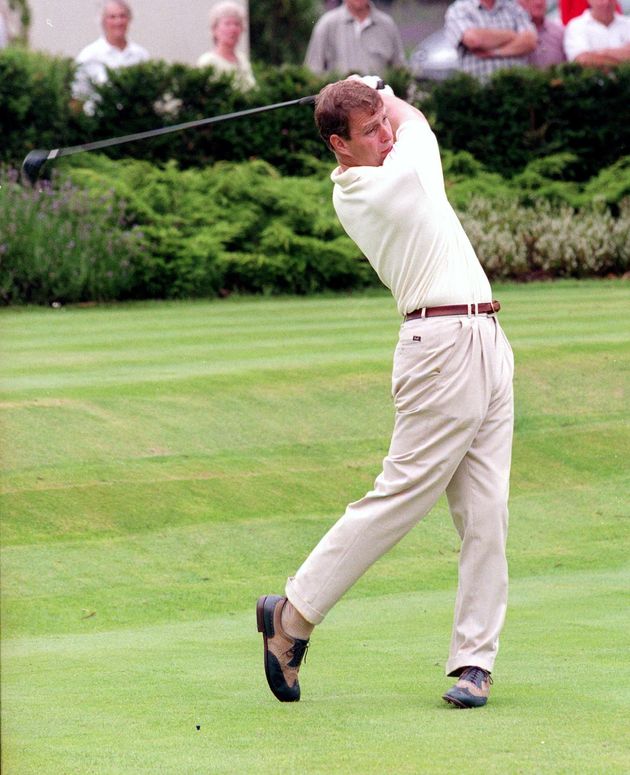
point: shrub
(132, 230)
(520, 116)
(516, 242)
(230, 227)
(523, 114)
(542, 179)
(281, 29)
(59, 245)
(35, 104)
(35, 112)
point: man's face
(228, 30)
(115, 21)
(603, 7)
(537, 9)
(358, 7)
(371, 139)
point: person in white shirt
(600, 37)
(451, 384)
(111, 51)
(227, 21)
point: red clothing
(569, 9)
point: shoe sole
(457, 703)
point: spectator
(111, 51)
(489, 35)
(569, 9)
(356, 37)
(550, 47)
(227, 21)
(600, 37)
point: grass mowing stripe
(143, 513)
(371, 691)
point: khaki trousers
(452, 389)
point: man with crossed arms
(489, 35)
(452, 389)
(600, 37)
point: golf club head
(32, 165)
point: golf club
(34, 161)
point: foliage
(24, 11)
(516, 242)
(228, 228)
(542, 179)
(36, 112)
(574, 114)
(246, 228)
(281, 29)
(34, 104)
(523, 114)
(61, 246)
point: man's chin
(386, 153)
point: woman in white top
(227, 20)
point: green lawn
(163, 464)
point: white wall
(170, 30)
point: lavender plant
(517, 242)
(57, 244)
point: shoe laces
(476, 675)
(297, 652)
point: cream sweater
(400, 218)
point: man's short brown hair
(335, 102)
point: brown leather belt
(488, 307)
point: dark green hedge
(521, 115)
(35, 112)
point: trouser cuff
(311, 614)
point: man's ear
(337, 143)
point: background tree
(21, 8)
(280, 29)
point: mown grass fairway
(164, 464)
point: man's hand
(605, 57)
(482, 39)
(493, 42)
(398, 111)
(373, 81)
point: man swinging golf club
(451, 384)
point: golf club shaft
(72, 149)
(35, 159)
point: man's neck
(119, 43)
(604, 17)
(226, 52)
(489, 4)
(360, 14)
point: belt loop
(469, 310)
(423, 313)
(476, 309)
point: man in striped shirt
(489, 35)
